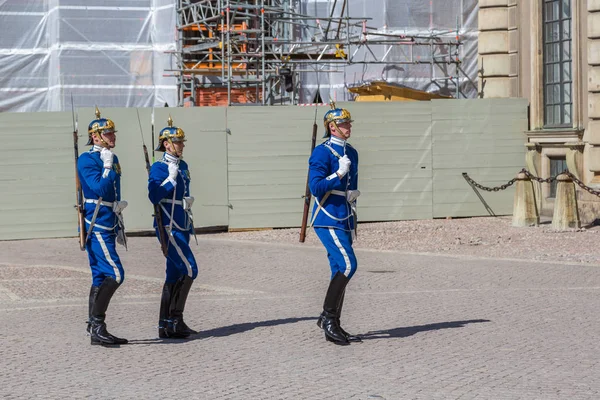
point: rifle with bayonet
(79, 206)
(162, 233)
(307, 194)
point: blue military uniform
(172, 195)
(101, 188)
(334, 218)
(333, 215)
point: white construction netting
(114, 53)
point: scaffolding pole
(252, 49)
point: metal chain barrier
(582, 185)
(534, 178)
(489, 189)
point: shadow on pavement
(225, 330)
(411, 330)
(239, 328)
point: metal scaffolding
(255, 51)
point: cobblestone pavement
(434, 327)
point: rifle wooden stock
(162, 234)
(307, 194)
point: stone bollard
(566, 215)
(525, 212)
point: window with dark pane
(558, 82)
(557, 166)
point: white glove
(187, 203)
(344, 166)
(352, 195)
(173, 170)
(107, 157)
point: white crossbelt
(170, 201)
(102, 203)
(106, 228)
(171, 218)
(321, 208)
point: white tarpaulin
(443, 19)
(111, 53)
(114, 53)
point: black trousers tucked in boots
(164, 313)
(92, 300)
(329, 321)
(349, 336)
(98, 332)
(172, 305)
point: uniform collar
(170, 158)
(338, 141)
(96, 148)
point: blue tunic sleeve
(322, 177)
(158, 186)
(99, 180)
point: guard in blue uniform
(100, 176)
(169, 187)
(333, 181)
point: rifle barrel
(307, 194)
(157, 213)
(78, 191)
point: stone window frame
(563, 167)
(547, 153)
(537, 78)
(559, 102)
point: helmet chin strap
(102, 141)
(173, 147)
(337, 130)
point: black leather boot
(350, 337)
(92, 299)
(177, 327)
(329, 321)
(165, 306)
(320, 320)
(98, 332)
